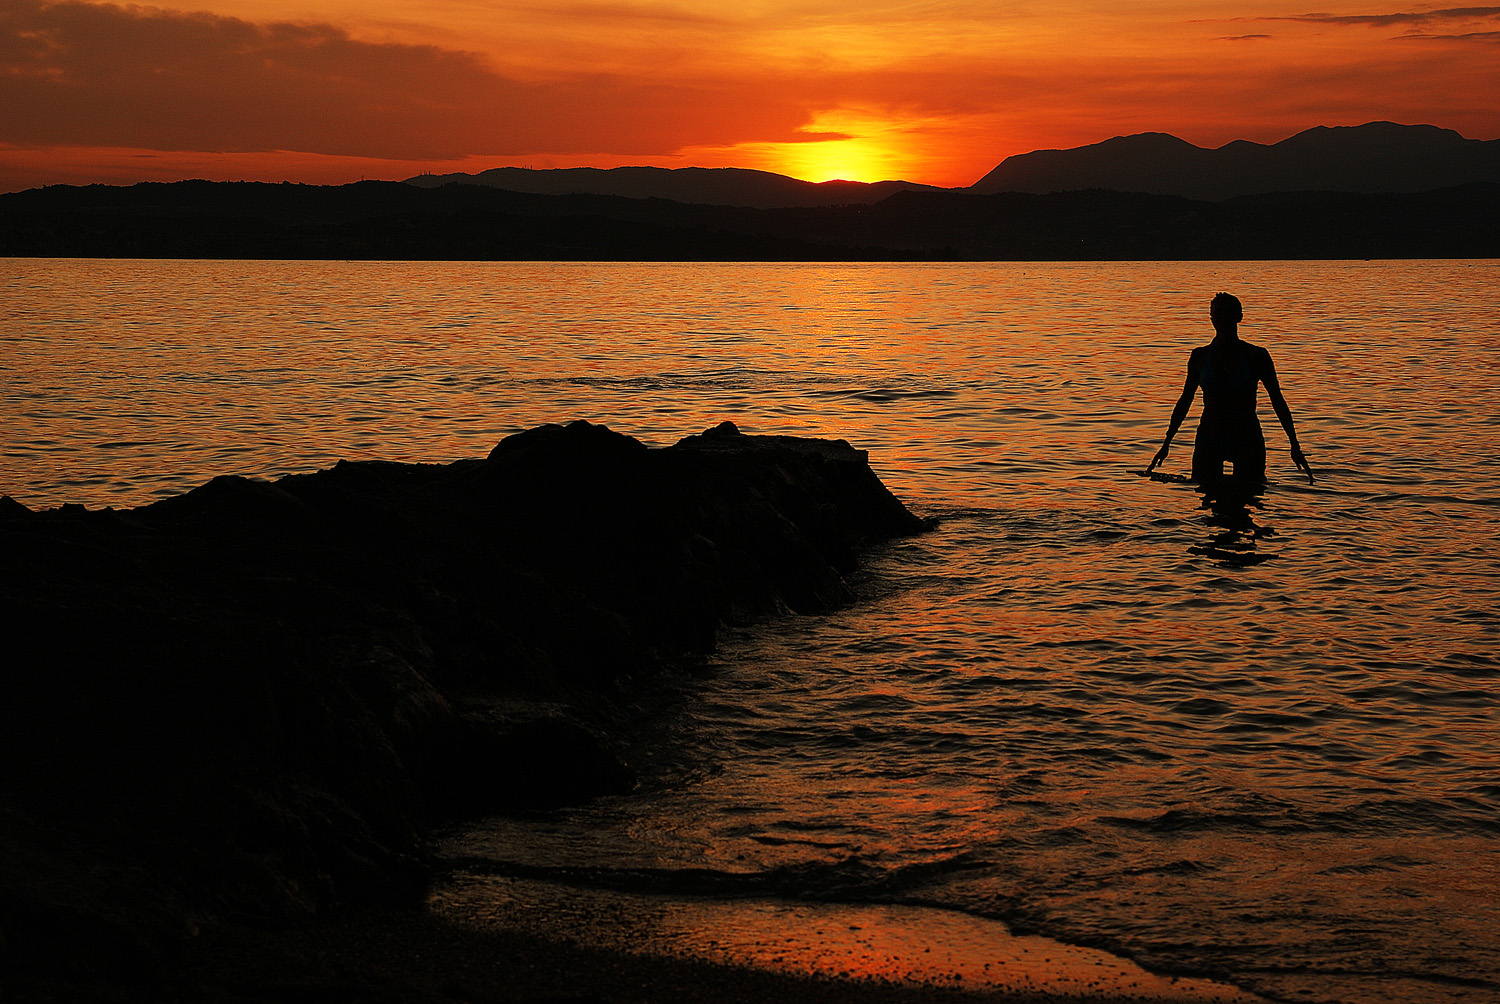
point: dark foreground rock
(249, 702)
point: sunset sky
(935, 91)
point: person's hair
(1226, 306)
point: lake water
(1256, 741)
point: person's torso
(1229, 378)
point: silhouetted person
(1228, 370)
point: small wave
(1183, 867)
(1428, 696)
(1381, 815)
(1274, 720)
(850, 879)
(1203, 706)
(884, 395)
(738, 379)
(825, 845)
(1470, 665)
(1376, 815)
(1394, 498)
(1192, 820)
(1385, 863)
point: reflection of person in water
(1228, 370)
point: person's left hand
(1300, 459)
(1161, 455)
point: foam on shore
(884, 943)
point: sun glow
(843, 145)
(823, 160)
(860, 146)
(836, 160)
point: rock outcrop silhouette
(249, 702)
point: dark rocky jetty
(248, 703)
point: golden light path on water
(1078, 706)
(130, 379)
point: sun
(839, 145)
(836, 160)
(850, 144)
(845, 144)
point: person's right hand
(1161, 455)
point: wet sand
(885, 943)
(420, 957)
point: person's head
(1225, 311)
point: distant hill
(394, 221)
(724, 186)
(1371, 158)
(1375, 157)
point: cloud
(640, 81)
(87, 74)
(1486, 37)
(621, 14)
(1388, 20)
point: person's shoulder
(1260, 361)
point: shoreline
(249, 704)
(415, 957)
(871, 943)
(235, 713)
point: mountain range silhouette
(1374, 191)
(1374, 157)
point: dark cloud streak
(1400, 18)
(1486, 37)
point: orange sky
(935, 91)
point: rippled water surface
(1258, 740)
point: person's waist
(1221, 421)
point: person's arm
(1179, 412)
(1284, 413)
